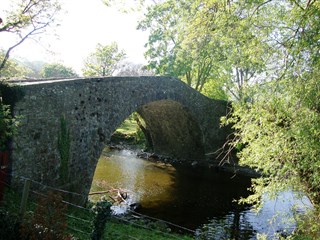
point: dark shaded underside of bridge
(173, 130)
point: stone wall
(182, 122)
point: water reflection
(276, 215)
(195, 198)
(147, 183)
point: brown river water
(192, 197)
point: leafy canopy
(210, 41)
(104, 60)
(169, 50)
(57, 70)
(13, 68)
(26, 19)
(279, 127)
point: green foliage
(156, 231)
(79, 229)
(228, 43)
(125, 6)
(280, 125)
(140, 138)
(281, 139)
(214, 89)
(277, 123)
(13, 69)
(103, 61)
(8, 125)
(130, 131)
(10, 93)
(9, 225)
(308, 225)
(23, 20)
(64, 149)
(57, 70)
(170, 51)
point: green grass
(128, 127)
(79, 222)
(117, 230)
(130, 133)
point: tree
(57, 70)
(13, 69)
(28, 19)
(35, 67)
(125, 5)
(201, 41)
(169, 53)
(131, 69)
(103, 61)
(240, 52)
(278, 131)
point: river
(196, 198)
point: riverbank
(129, 136)
(77, 222)
(153, 157)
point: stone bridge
(182, 123)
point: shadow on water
(201, 199)
(197, 194)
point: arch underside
(173, 130)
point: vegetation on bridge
(8, 123)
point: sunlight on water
(146, 182)
(192, 197)
(277, 214)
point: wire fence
(80, 219)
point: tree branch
(9, 26)
(257, 8)
(295, 2)
(7, 55)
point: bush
(103, 212)
(309, 225)
(48, 221)
(9, 226)
(7, 125)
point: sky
(84, 24)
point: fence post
(25, 195)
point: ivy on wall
(8, 123)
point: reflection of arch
(174, 132)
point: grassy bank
(129, 133)
(78, 221)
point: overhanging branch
(7, 55)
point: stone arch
(173, 129)
(94, 107)
(174, 132)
